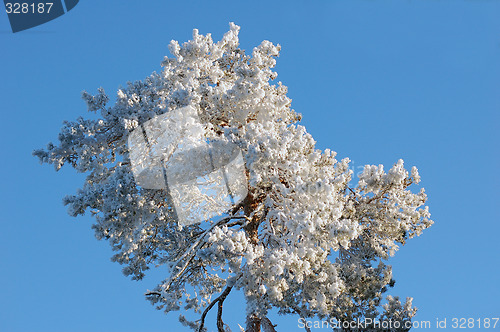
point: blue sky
(375, 81)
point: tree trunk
(252, 227)
(267, 326)
(253, 324)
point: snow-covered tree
(304, 240)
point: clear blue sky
(375, 81)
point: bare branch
(220, 323)
(220, 299)
(149, 293)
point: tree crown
(303, 239)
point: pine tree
(303, 238)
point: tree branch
(220, 323)
(267, 325)
(191, 253)
(220, 299)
